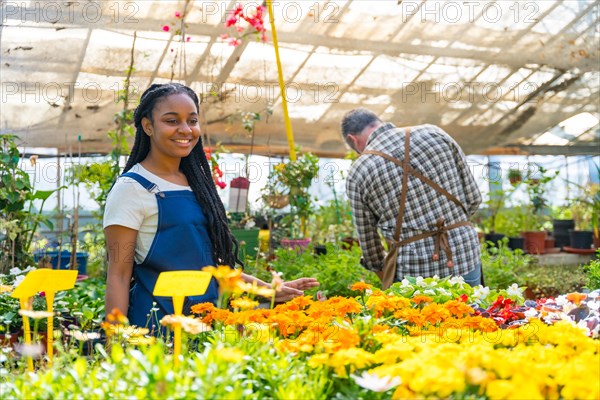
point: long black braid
(196, 169)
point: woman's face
(175, 129)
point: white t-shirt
(129, 204)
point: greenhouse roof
(501, 77)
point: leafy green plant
(82, 306)
(334, 218)
(336, 271)
(18, 218)
(294, 178)
(592, 271)
(551, 280)
(537, 186)
(500, 265)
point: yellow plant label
(45, 280)
(182, 283)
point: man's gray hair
(356, 120)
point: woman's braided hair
(196, 169)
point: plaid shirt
(373, 187)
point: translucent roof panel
(494, 74)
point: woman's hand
(294, 288)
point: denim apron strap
(182, 242)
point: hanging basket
(277, 200)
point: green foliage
(334, 218)
(336, 271)
(249, 370)
(10, 320)
(451, 288)
(551, 280)
(294, 178)
(585, 208)
(82, 306)
(500, 265)
(592, 271)
(18, 219)
(537, 186)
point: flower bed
(422, 338)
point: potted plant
(534, 211)
(562, 223)
(514, 176)
(586, 211)
(294, 179)
(495, 203)
(243, 227)
(509, 222)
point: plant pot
(535, 242)
(515, 243)
(320, 250)
(11, 340)
(597, 241)
(549, 242)
(561, 229)
(65, 259)
(300, 244)
(494, 238)
(581, 239)
(277, 201)
(349, 242)
(247, 239)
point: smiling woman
(164, 213)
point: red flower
(463, 298)
(177, 14)
(187, 39)
(238, 10)
(232, 20)
(235, 42)
(166, 28)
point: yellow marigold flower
(244, 303)
(122, 330)
(350, 359)
(5, 288)
(253, 289)
(318, 360)
(227, 277)
(256, 332)
(117, 316)
(188, 324)
(229, 354)
(141, 340)
(360, 286)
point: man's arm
(366, 226)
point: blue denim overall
(181, 243)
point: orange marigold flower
(458, 308)
(360, 286)
(421, 299)
(203, 307)
(576, 297)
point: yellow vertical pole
(178, 309)
(50, 330)
(286, 116)
(27, 330)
